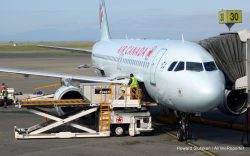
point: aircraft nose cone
(210, 96)
(201, 98)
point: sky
(78, 20)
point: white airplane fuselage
(149, 60)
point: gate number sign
(230, 16)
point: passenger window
(171, 67)
(210, 66)
(194, 66)
(180, 66)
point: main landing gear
(183, 132)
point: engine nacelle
(67, 92)
(235, 102)
(99, 72)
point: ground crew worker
(5, 96)
(133, 85)
(2, 86)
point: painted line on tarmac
(210, 153)
(172, 134)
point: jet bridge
(231, 52)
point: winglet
(103, 21)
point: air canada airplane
(177, 74)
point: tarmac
(162, 141)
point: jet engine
(235, 102)
(67, 92)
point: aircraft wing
(63, 76)
(87, 51)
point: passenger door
(155, 64)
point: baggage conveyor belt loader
(105, 109)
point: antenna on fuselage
(182, 38)
(126, 36)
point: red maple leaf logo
(119, 119)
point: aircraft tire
(180, 135)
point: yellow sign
(230, 16)
(222, 17)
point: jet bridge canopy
(231, 53)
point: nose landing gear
(183, 132)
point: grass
(31, 47)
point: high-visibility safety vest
(5, 93)
(134, 83)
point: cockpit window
(180, 66)
(194, 66)
(210, 66)
(171, 67)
